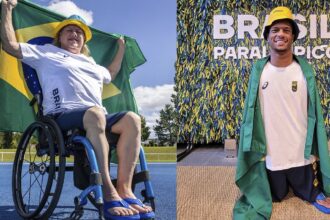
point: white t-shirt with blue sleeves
(68, 80)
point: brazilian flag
(35, 24)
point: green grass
(10, 157)
(153, 154)
(7, 150)
(160, 154)
(166, 149)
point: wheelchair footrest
(76, 214)
(78, 210)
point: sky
(153, 24)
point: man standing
(282, 134)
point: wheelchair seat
(40, 165)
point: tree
(166, 127)
(7, 140)
(145, 130)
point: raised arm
(115, 66)
(8, 38)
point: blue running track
(163, 177)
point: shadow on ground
(61, 212)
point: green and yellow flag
(33, 23)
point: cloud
(67, 8)
(150, 100)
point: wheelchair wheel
(38, 171)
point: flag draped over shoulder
(33, 23)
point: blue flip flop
(147, 215)
(322, 208)
(121, 203)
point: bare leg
(94, 124)
(128, 149)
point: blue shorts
(73, 118)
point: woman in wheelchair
(72, 83)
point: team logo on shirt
(294, 86)
(264, 86)
(57, 99)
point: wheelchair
(40, 166)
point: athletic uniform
(283, 102)
(71, 83)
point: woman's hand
(121, 42)
(8, 38)
(116, 63)
(11, 3)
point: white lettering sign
(248, 25)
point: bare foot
(122, 211)
(143, 209)
(140, 208)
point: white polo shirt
(67, 80)
(283, 99)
